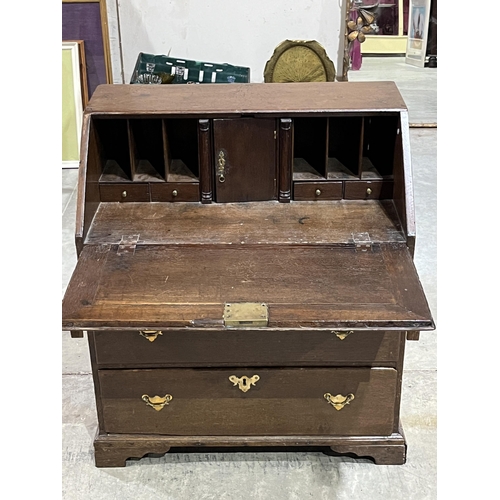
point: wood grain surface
(304, 287)
(260, 223)
(250, 171)
(280, 99)
(283, 401)
(185, 348)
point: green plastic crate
(151, 68)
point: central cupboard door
(245, 159)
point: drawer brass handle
(124, 194)
(342, 335)
(338, 401)
(157, 402)
(244, 383)
(368, 191)
(151, 335)
(175, 193)
(317, 192)
(221, 164)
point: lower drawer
(130, 349)
(300, 401)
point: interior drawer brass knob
(338, 401)
(244, 383)
(157, 402)
(124, 194)
(368, 191)
(174, 193)
(317, 192)
(151, 335)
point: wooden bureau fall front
(245, 271)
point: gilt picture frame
(87, 20)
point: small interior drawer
(149, 349)
(249, 401)
(368, 190)
(303, 191)
(175, 191)
(124, 192)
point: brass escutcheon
(221, 164)
(157, 402)
(342, 335)
(338, 401)
(244, 383)
(151, 335)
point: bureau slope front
(180, 286)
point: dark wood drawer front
(280, 402)
(175, 192)
(124, 192)
(303, 191)
(129, 349)
(368, 190)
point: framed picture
(83, 70)
(418, 28)
(72, 104)
(87, 20)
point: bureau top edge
(247, 98)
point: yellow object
(70, 132)
(299, 61)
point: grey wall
(239, 32)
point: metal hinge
(245, 314)
(127, 244)
(362, 242)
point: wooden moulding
(113, 450)
(286, 160)
(205, 161)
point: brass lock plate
(245, 314)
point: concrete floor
(286, 475)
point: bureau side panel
(88, 188)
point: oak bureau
(245, 267)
